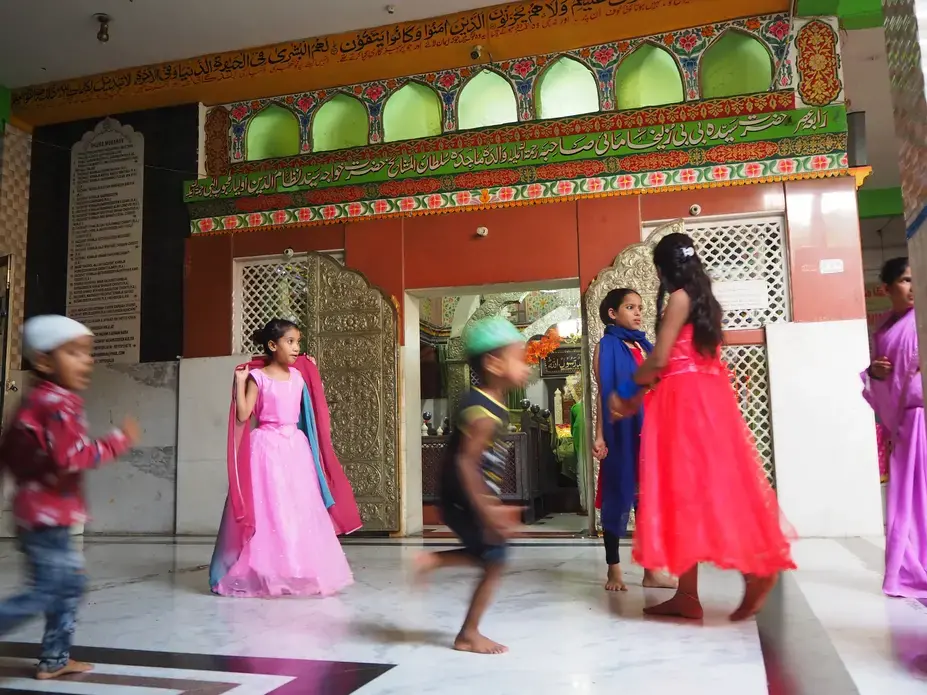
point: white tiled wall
(827, 471)
(135, 494)
(205, 393)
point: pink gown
(294, 549)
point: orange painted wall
(208, 279)
(733, 200)
(555, 241)
(606, 227)
(207, 311)
(376, 250)
(525, 244)
(824, 226)
(300, 239)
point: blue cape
(307, 425)
(622, 437)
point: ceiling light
(104, 20)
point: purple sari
(898, 401)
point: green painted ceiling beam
(880, 202)
(853, 14)
(817, 8)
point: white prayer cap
(43, 334)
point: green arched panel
(735, 64)
(567, 88)
(649, 76)
(487, 99)
(412, 112)
(272, 132)
(340, 122)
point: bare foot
(423, 565)
(475, 643)
(680, 606)
(755, 595)
(658, 580)
(66, 670)
(614, 581)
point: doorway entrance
(548, 470)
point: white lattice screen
(746, 249)
(751, 382)
(749, 249)
(268, 288)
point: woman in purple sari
(892, 386)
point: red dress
(703, 494)
(638, 354)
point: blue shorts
(469, 529)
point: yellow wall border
(505, 31)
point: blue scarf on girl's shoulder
(622, 437)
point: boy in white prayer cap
(46, 449)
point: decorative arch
(736, 63)
(648, 76)
(567, 87)
(559, 310)
(487, 99)
(413, 111)
(340, 123)
(272, 132)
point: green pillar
(4, 105)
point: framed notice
(105, 238)
(562, 362)
(742, 295)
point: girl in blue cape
(621, 351)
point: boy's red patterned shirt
(47, 450)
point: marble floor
(153, 629)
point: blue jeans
(56, 585)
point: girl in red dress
(703, 494)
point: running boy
(473, 471)
(46, 450)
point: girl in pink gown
(283, 541)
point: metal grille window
(750, 372)
(752, 250)
(268, 288)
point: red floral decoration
(540, 348)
